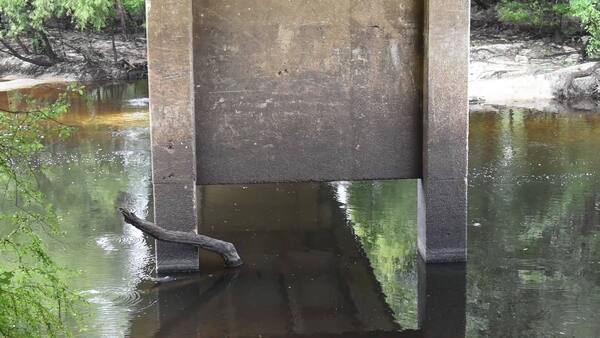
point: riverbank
(84, 57)
(10, 83)
(512, 67)
(530, 72)
(507, 67)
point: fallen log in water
(225, 249)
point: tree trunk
(114, 47)
(61, 39)
(11, 51)
(48, 50)
(22, 45)
(482, 4)
(122, 18)
(225, 249)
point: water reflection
(534, 256)
(442, 299)
(337, 259)
(383, 217)
(104, 164)
(103, 105)
(305, 273)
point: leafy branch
(35, 299)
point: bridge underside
(249, 91)
(307, 90)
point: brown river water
(335, 259)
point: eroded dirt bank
(83, 57)
(507, 68)
(525, 69)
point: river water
(335, 259)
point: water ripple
(114, 242)
(114, 296)
(139, 102)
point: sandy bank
(531, 73)
(11, 83)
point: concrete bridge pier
(173, 132)
(442, 190)
(236, 88)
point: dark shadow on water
(197, 294)
(442, 299)
(306, 274)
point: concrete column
(171, 86)
(442, 193)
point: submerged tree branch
(225, 249)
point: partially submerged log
(225, 249)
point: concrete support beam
(442, 193)
(171, 81)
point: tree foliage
(539, 13)
(551, 15)
(135, 7)
(20, 16)
(588, 11)
(35, 300)
(25, 26)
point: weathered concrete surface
(441, 221)
(268, 91)
(442, 192)
(308, 90)
(176, 205)
(172, 126)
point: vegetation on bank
(35, 297)
(563, 17)
(32, 31)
